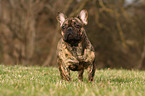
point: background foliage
(29, 31)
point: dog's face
(72, 28)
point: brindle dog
(74, 50)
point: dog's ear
(83, 15)
(61, 18)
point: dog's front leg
(89, 56)
(65, 73)
(65, 63)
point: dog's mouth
(73, 38)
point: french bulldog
(74, 50)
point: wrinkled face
(72, 28)
(72, 31)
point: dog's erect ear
(83, 15)
(61, 18)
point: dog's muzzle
(72, 36)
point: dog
(74, 50)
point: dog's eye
(78, 26)
(63, 27)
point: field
(44, 81)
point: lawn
(44, 81)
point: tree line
(29, 31)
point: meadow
(45, 81)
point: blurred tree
(18, 29)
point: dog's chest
(77, 51)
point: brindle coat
(75, 55)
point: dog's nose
(69, 29)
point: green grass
(43, 81)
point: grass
(43, 81)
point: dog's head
(72, 28)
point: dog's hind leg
(80, 74)
(91, 72)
